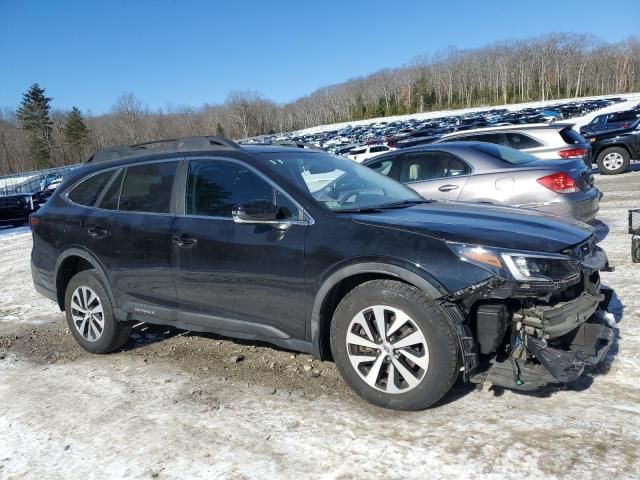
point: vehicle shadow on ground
(146, 334)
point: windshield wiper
(358, 210)
(384, 206)
(404, 203)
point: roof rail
(172, 144)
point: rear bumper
(42, 286)
(584, 209)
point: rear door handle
(97, 232)
(448, 188)
(184, 240)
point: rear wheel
(90, 315)
(614, 160)
(394, 346)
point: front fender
(391, 267)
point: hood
(487, 225)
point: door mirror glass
(258, 211)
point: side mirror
(258, 211)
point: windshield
(337, 183)
(506, 154)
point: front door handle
(184, 240)
(97, 232)
(448, 187)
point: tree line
(552, 67)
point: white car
(360, 154)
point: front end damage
(525, 335)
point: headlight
(520, 266)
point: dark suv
(318, 254)
(15, 209)
(614, 150)
(609, 121)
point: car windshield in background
(510, 155)
(337, 183)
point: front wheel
(90, 315)
(394, 346)
(614, 160)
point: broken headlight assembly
(519, 266)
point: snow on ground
(632, 101)
(131, 416)
(19, 302)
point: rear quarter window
(88, 190)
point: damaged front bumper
(537, 361)
(545, 340)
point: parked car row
(390, 133)
(523, 130)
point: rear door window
(424, 166)
(497, 138)
(621, 117)
(147, 188)
(521, 142)
(87, 191)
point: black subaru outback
(318, 254)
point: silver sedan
(490, 173)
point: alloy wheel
(87, 313)
(387, 349)
(612, 161)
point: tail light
(33, 221)
(559, 183)
(573, 152)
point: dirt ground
(175, 404)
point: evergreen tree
(76, 133)
(220, 130)
(33, 115)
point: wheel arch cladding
(69, 264)
(341, 282)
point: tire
(96, 332)
(436, 352)
(613, 160)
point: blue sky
(87, 53)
